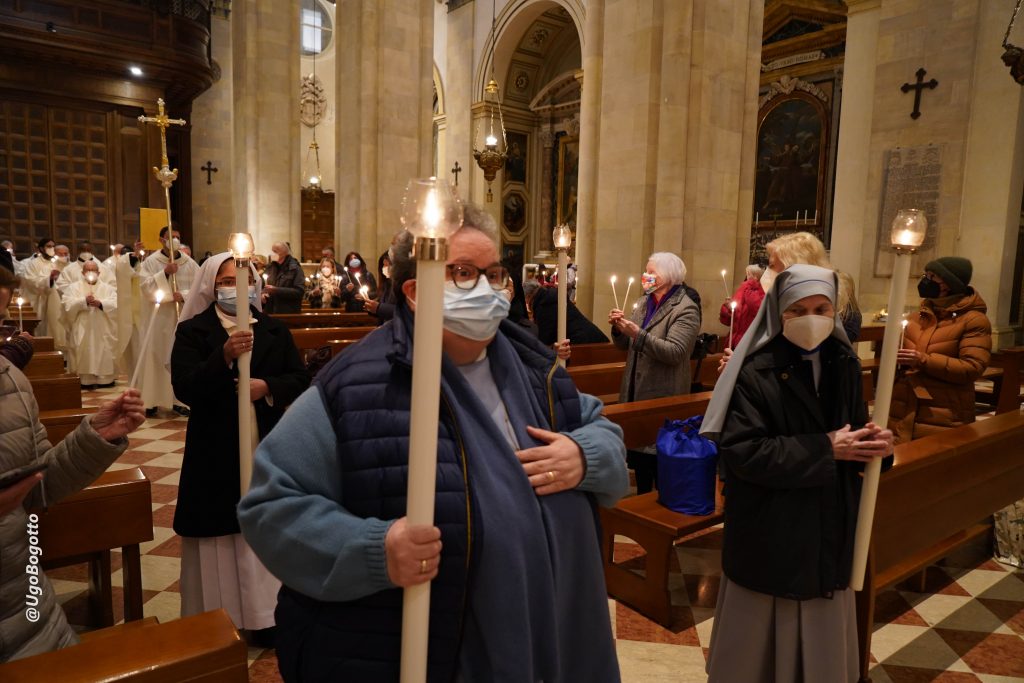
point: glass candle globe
(431, 209)
(909, 228)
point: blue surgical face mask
(474, 313)
(227, 298)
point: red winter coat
(748, 299)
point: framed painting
(792, 143)
(513, 212)
(515, 163)
(568, 178)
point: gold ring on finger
(423, 566)
(551, 476)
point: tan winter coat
(660, 354)
(73, 464)
(957, 343)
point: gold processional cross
(166, 177)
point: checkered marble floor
(968, 624)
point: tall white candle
(757, 217)
(145, 341)
(880, 416)
(21, 320)
(725, 283)
(903, 331)
(614, 293)
(629, 285)
(732, 318)
(796, 222)
(563, 297)
(243, 363)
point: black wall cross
(917, 88)
(209, 168)
(456, 169)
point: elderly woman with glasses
(659, 334)
(523, 459)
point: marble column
(458, 90)
(267, 160)
(385, 118)
(993, 176)
(850, 213)
(670, 169)
(213, 204)
(590, 140)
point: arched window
(316, 27)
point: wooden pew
(59, 423)
(939, 494)
(205, 648)
(60, 392)
(326, 318)
(42, 344)
(604, 379)
(115, 511)
(594, 354)
(642, 518)
(315, 337)
(45, 364)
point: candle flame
(432, 212)
(159, 296)
(614, 279)
(723, 272)
(491, 141)
(904, 322)
(111, 247)
(732, 305)
(632, 280)
(20, 302)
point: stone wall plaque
(911, 179)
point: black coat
(209, 490)
(791, 508)
(290, 283)
(348, 297)
(578, 328)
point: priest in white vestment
(39, 274)
(90, 307)
(73, 272)
(156, 274)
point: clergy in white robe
(73, 272)
(155, 274)
(125, 267)
(41, 271)
(90, 307)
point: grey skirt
(759, 638)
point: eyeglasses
(466, 275)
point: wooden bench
(115, 511)
(205, 648)
(641, 518)
(59, 423)
(42, 344)
(45, 364)
(326, 318)
(60, 392)
(939, 494)
(316, 337)
(604, 379)
(593, 354)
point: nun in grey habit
(791, 426)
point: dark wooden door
(317, 223)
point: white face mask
(49, 251)
(91, 278)
(808, 331)
(326, 272)
(175, 242)
(386, 271)
(85, 256)
(767, 279)
(474, 313)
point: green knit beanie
(955, 271)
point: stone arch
(511, 23)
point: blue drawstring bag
(687, 466)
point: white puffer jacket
(74, 463)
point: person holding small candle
(748, 299)
(946, 347)
(326, 291)
(383, 307)
(16, 346)
(284, 282)
(523, 459)
(659, 333)
(90, 308)
(40, 272)
(218, 569)
(790, 422)
(356, 276)
(542, 305)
